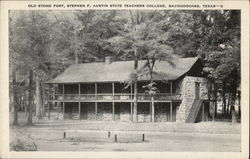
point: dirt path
(132, 141)
(93, 136)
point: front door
(197, 90)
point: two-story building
(96, 91)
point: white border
(4, 84)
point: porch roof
(120, 71)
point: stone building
(96, 91)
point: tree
(221, 50)
(142, 38)
(29, 46)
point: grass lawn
(84, 135)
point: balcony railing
(114, 97)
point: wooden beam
(63, 91)
(63, 110)
(79, 104)
(95, 90)
(171, 111)
(113, 89)
(96, 110)
(113, 111)
(171, 87)
(131, 91)
(150, 111)
(131, 111)
(79, 90)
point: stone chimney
(109, 59)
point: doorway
(197, 90)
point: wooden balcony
(125, 97)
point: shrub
(23, 144)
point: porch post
(63, 91)
(113, 89)
(63, 102)
(153, 110)
(96, 110)
(79, 104)
(150, 111)
(113, 102)
(63, 110)
(131, 104)
(113, 110)
(79, 90)
(131, 111)
(171, 111)
(95, 101)
(171, 88)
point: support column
(95, 101)
(113, 102)
(113, 89)
(79, 104)
(79, 90)
(171, 87)
(96, 91)
(113, 110)
(63, 102)
(153, 110)
(63, 91)
(96, 110)
(63, 110)
(131, 111)
(131, 103)
(171, 111)
(150, 111)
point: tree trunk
(233, 114)
(239, 106)
(30, 99)
(38, 98)
(135, 87)
(224, 108)
(15, 106)
(209, 96)
(76, 51)
(215, 100)
(43, 100)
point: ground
(93, 135)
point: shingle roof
(119, 71)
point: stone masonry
(187, 91)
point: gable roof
(119, 71)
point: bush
(23, 144)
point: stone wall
(187, 89)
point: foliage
(23, 142)
(47, 42)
